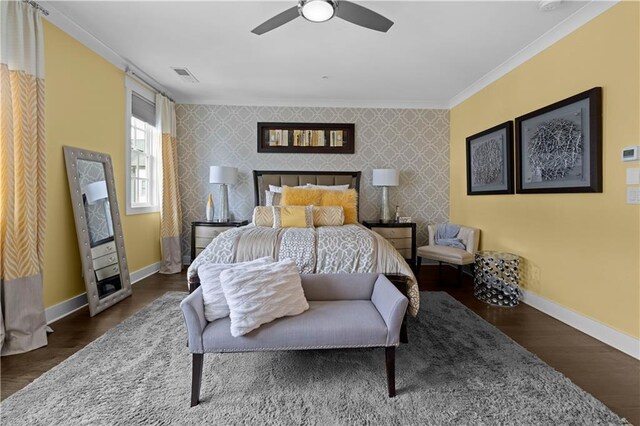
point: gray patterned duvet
(322, 250)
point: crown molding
(329, 103)
(564, 28)
(66, 24)
(555, 34)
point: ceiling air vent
(185, 75)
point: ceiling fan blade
(276, 21)
(362, 16)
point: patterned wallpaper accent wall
(414, 141)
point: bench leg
(404, 337)
(390, 358)
(196, 378)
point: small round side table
(496, 278)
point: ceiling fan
(323, 10)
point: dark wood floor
(609, 375)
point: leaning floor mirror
(98, 226)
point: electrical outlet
(633, 195)
(633, 176)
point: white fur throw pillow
(215, 304)
(262, 293)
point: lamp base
(385, 214)
(224, 204)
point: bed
(348, 248)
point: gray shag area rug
(457, 370)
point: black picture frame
(574, 125)
(306, 138)
(490, 161)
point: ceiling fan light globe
(317, 10)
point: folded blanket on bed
(446, 236)
(323, 250)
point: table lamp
(385, 178)
(224, 176)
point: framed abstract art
(490, 161)
(559, 147)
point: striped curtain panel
(22, 178)
(171, 211)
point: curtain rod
(35, 5)
(138, 77)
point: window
(142, 147)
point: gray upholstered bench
(345, 311)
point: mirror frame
(96, 305)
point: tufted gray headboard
(263, 178)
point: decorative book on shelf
(309, 138)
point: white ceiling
(434, 51)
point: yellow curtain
(171, 211)
(22, 179)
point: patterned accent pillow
(272, 198)
(328, 216)
(292, 216)
(263, 216)
(260, 294)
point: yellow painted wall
(582, 251)
(85, 108)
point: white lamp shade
(386, 177)
(223, 174)
(96, 191)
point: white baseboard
(65, 308)
(612, 337)
(145, 272)
(69, 306)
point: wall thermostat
(631, 153)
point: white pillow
(278, 189)
(215, 304)
(261, 293)
(329, 187)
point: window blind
(142, 109)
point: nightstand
(401, 235)
(203, 232)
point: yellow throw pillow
(292, 217)
(348, 200)
(300, 196)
